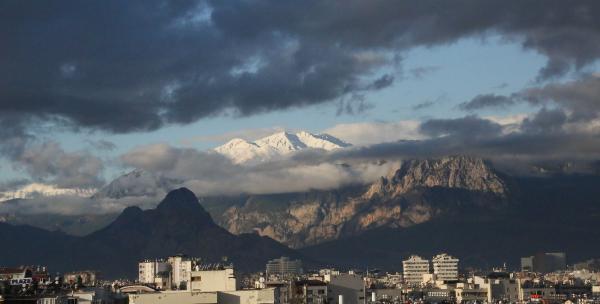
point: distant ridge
(179, 224)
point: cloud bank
(138, 65)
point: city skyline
(268, 151)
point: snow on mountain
(241, 151)
(34, 190)
(137, 183)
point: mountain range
(549, 214)
(417, 192)
(458, 204)
(178, 225)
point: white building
(445, 267)
(500, 287)
(251, 296)
(470, 293)
(348, 285)
(173, 297)
(174, 273)
(181, 271)
(414, 268)
(214, 280)
(149, 270)
(284, 266)
(596, 290)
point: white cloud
(369, 133)
(208, 173)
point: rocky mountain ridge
(472, 174)
(419, 191)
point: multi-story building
(181, 271)
(216, 279)
(445, 267)
(284, 266)
(149, 270)
(470, 293)
(536, 293)
(544, 262)
(174, 273)
(414, 268)
(527, 264)
(500, 286)
(309, 292)
(348, 285)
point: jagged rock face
(472, 174)
(416, 193)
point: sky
(92, 90)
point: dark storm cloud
(487, 101)
(579, 98)
(48, 162)
(515, 152)
(545, 121)
(468, 126)
(126, 66)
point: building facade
(171, 274)
(284, 266)
(214, 280)
(181, 271)
(348, 285)
(149, 270)
(445, 267)
(414, 268)
(544, 262)
(309, 292)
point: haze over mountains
(459, 204)
(37, 189)
(141, 183)
(466, 198)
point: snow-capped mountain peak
(282, 142)
(241, 151)
(321, 141)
